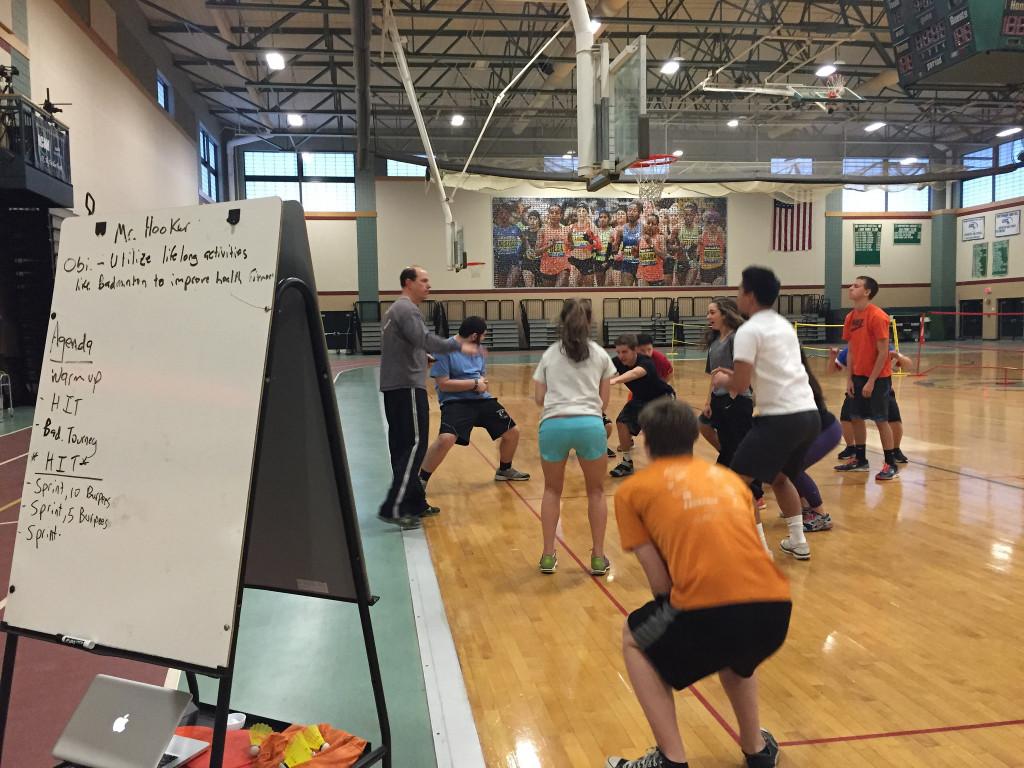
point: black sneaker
(430, 511)
(405, 522)
(853, 465)
(623, 469)
(849, 452)
(897, 454)
(653, 759)
(611, 454)
(767, 757)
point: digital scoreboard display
(958, 42)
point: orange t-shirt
(700, 516)
(861, 330)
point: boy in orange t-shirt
(869, 377)
(720, 604)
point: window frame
(208, 146)
(883, 167)
(300, 176)
(995, 150)
(163, 83)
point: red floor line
(622, 609)
(893, 734)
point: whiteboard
(133, 511)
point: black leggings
(732, 418)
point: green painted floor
(301, 659)
(22, 418)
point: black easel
(301, 313)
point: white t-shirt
(574, 389)
(769, 343)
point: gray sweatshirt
(405, 342)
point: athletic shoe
(599, 566)
(815, 522)
(799, 551)
(889, 472)
(405, 522)
(511, 474)
(853, 465)
(653, 759)
(900, 458)
(548, 563)
(767, 757)
(624, 468)
(611, 454)
(849, 452)
(760, 504)
(430, 511)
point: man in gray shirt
(405, 342)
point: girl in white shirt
(572, 384)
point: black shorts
(505, 264)
(630, 414)
(530, 265)
(626, 267)
(776, 444)
(669, 266)
(687, 646)
(894, 409)
(458, 417)
(709, 276)
(874, 408)
(585, 266)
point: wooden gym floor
(905, 644)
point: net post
(920, 340)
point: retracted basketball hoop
(651, 174)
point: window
(163, 92)
(990, 189)
(321, 181)
(208, 165)
(398, 168)
(561, 164)
(799, 166)
(884, 197)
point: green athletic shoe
(548, 563)
(599, 566)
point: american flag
(791, 226)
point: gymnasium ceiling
(462, 53)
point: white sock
(796, 529)
(764, 541)
(626, 456)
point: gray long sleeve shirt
(405, 342)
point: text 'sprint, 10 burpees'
(141, 453)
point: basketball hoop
(651, 174)
(834, 86)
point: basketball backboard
(622, 124)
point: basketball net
(834, 86)
(651, 175)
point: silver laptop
(124, 724)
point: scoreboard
(958, 42)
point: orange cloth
(700, 516)
(345, 749)
(553, 261)
(862, 330)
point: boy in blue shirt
(461, 382)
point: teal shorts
(583, 434)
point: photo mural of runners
(553, 242)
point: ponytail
(575, 329)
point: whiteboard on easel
(140, 465)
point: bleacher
(639, 315)
(540, 322)
(503, 331)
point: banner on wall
(1000, 258)
(972, 229)
(979, 261)
(1007, 224)
(906, 234)
(549, 242)
(867, 244)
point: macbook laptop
(124, 724)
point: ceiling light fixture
(826, 70)
(909, 161)
(677, 153)
(874, 127)
(295, 120)
(1009, 132)
(670, 67)
(275, 60)
(458, 120)
(595, 26)
(734, 123)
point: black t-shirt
(648, 388)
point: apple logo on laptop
(121, 723)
